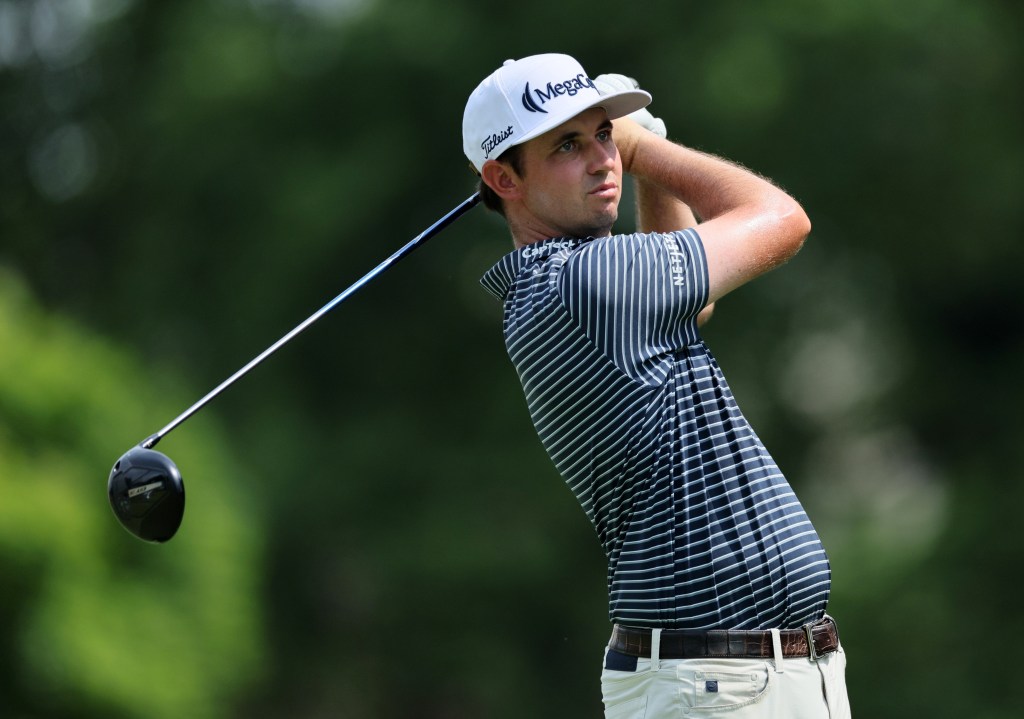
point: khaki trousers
(794, 688)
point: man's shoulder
(500, 277)
(655, 246)
(659, 249)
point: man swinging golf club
(717, 581)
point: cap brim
(624, 103)
(616, 104)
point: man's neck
(527, 233)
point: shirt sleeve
(637, 297)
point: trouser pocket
(625, 682)
(723, 690)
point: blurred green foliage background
(373, 529)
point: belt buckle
(809, 632)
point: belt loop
(656, 649)
(777, 648)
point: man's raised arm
(657, 210)
(749, 226)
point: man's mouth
(607, 189)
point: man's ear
(502, 179)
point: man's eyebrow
(564, 138)
(573, 134)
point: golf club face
(147, 494)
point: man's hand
(610, 83)
(629, 130)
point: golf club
(145, 488)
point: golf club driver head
(147, 494)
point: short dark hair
(491, 200)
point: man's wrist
(628, 134)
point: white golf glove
(617, 83)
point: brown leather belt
(811, 640)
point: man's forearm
(748, 225)
(660, 211)
(711, 186)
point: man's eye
(568, 146)
(604, 135)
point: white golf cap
(525, 98)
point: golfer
(717, 581)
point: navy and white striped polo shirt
(699, 526)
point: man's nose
(601, 157)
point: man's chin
(600, 227)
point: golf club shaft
(453, 215)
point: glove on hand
(617, 83)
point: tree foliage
(95, 623)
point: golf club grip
(442, 223)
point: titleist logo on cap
(495, 139)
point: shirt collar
(499, 278)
